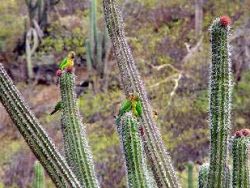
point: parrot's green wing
(63, 64)
(139, 108)
(58, 107)
(125, 107)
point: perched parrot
(133, 103)
(67, 62)
(58, 107)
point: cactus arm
(190, 167)
(39, 177)
(77, 151)
(34, 135)
(203, 175)
(219, 104)
(241, 165)
(136, 169)
(157, 154)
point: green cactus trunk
(241, 163)
(219, 105)
(137, 174)
(39, 177)
(203, 175)
(156, 153)
(34, 135)
(190, 168)
(77, 151)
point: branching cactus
(77, 151)
(157, 154)
(241, 162)
(219, 104)
(39, 176)
(203, 175)
(137, 174)
(34, 135)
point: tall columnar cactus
(241, 162)
(219, 104)
(34, 134)
(203, 175)
(77, 151)
(39, 176)
(137, 174)
(157, 154)
(190, 168)
(98, 44)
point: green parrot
(67, 62)
(58, 107)
(133, 103)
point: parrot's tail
(54, 111)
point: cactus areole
(219, 103)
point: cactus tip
(59, 72)
(246, 132)
(238, 134)
(225, 21)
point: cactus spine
(127, 127)
(219, 104)
(241, 163)
(203, 175)
(39, 177)
(77, 151)
(157, 155)
(34, 135)
(98, 47)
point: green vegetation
(159, 34)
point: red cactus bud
(225, 21)
(238, 134)
(58, 72)
(245, 132)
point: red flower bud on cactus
(225, 21)
(59, 72)
(245, 132)
(238, 134)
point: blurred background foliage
(170, 44)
